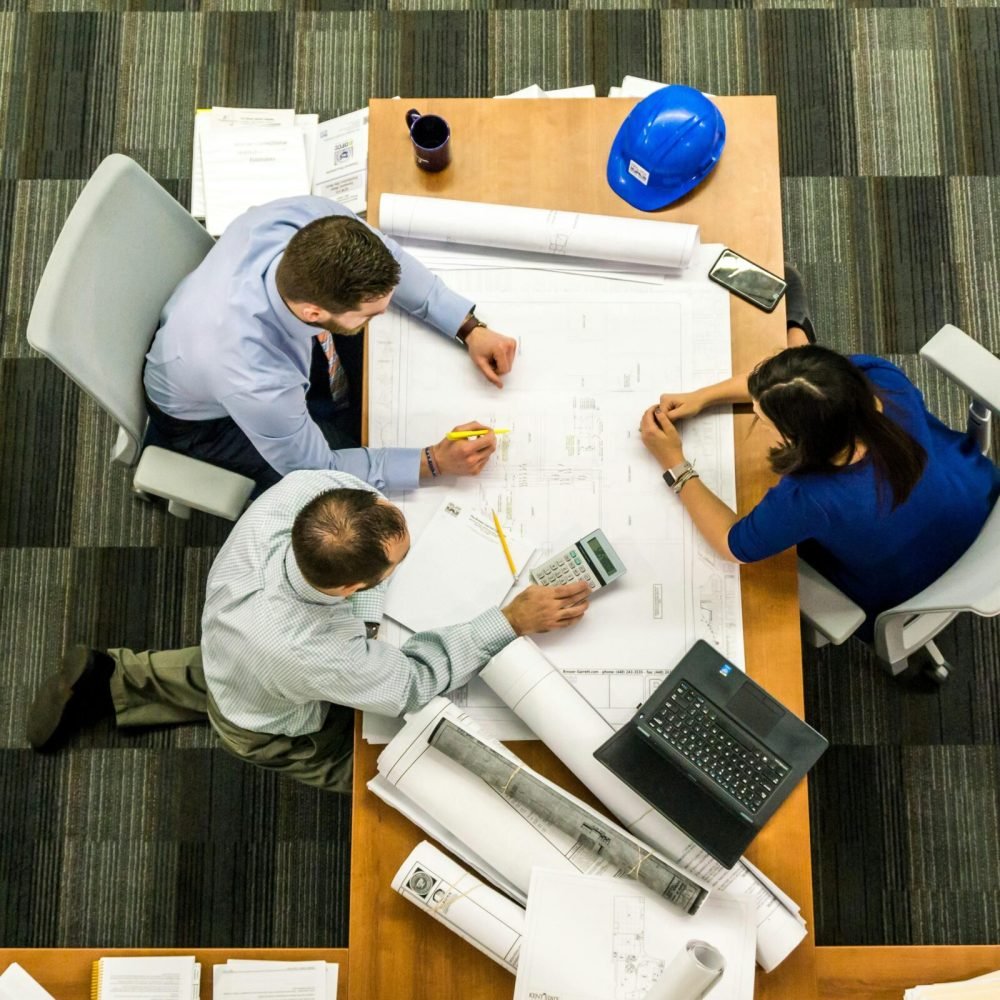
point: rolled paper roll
(690, 974)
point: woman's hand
(660, 437)
(681, 405)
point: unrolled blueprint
(602, 939)
(593, 353)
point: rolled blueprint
(690, 974)
(573, 729)
(454, 897)
(539, 230)
(500, 834)
(550, 803)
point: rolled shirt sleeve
(375, 676)
(424, 295)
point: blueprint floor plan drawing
(593, 352)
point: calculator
(592, 559)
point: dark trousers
(221, 442)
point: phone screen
(747, 279)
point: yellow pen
(464, 435)
(503, 542)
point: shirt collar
(287, 320)
(299, 584)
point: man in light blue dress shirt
(235, 374)
(289, 642)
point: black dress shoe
(797, 305)
(77, 696)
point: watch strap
(471, 323)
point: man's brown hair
(339, 538)
(336, 263)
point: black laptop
(713, 752)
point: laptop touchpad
(755, 710)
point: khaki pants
(168, 686)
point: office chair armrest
(192, 483)
(967, 363)
(826, 609)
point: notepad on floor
(175, 977)
(456, 569)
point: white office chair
(972, 584)
(124, 248)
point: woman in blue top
(876, 492)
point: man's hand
(491, 352)
(681, 405)
(462, 458)
(541, 609)
(660, 437)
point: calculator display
(602, 556)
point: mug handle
(411, 116)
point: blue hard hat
(668, 144)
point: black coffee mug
(431, 138)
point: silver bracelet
(683, 478)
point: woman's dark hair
(339, 538)
(823, 406)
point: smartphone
(748, 280)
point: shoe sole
(48, 710)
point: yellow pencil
(503, 542)
(463, 435)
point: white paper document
(448, 893)
(244, 167)
(539, 230)
(141, 977)
(605, 939)
(245, 979)
(206, 119)
(341, 167)
(986, 987)
(455, 570)
(16, 984)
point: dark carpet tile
(69, 115)
(247, 60)
(37, 448)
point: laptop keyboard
(689, 723)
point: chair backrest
(124, 248)
(971, 584)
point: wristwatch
(677, 476)
(371, 630)
(471, 323)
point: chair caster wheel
(937, 672)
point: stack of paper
(16, 984)
(252, 979)
(981, 988)
(175, 977)
(247, 156)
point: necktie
(338, 378)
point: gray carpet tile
(889, 136)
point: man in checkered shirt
(290, 643)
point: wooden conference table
(552, 154)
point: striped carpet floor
(890, 149)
